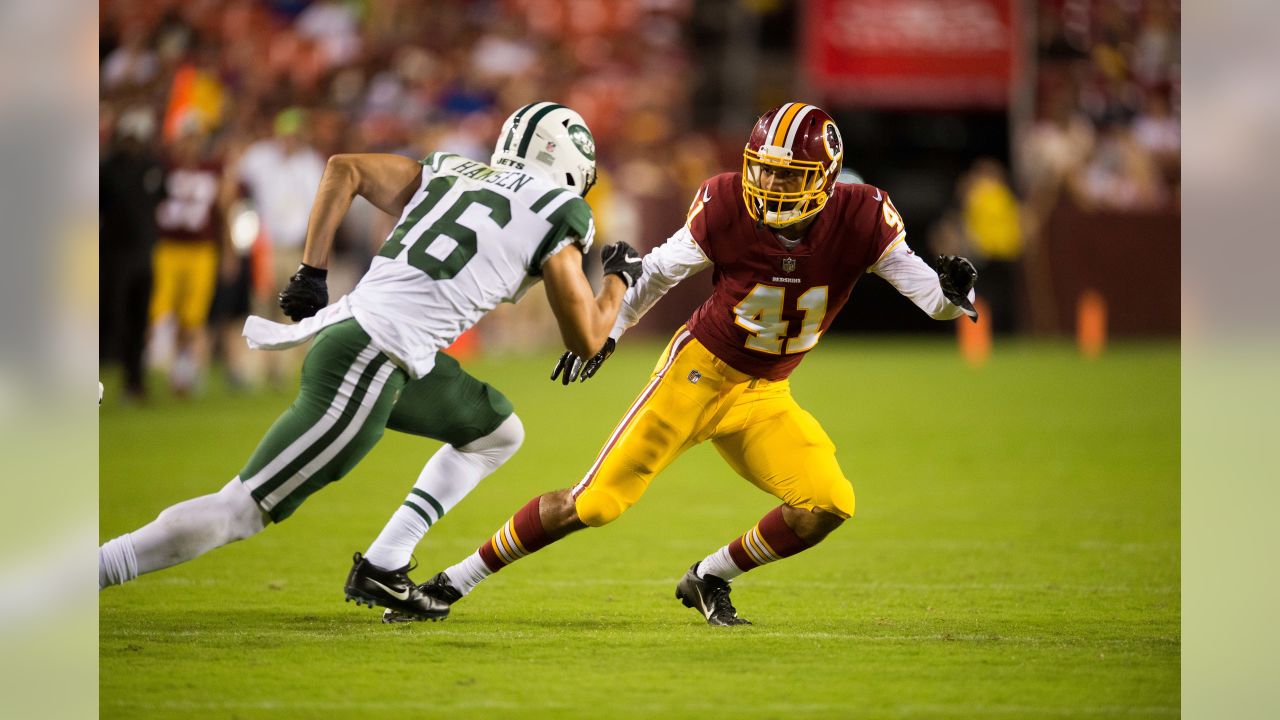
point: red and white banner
(911, 53)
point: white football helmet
(550, 139)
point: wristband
(306, 270)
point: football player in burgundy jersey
(193, 241)
(786, 245)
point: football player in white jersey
(470, 236)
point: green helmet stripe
(515, 122)
(533, 125)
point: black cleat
(438, 589)
(710, 596)
(370, 585)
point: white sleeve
(914, 279)
(669, 263)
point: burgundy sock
(771, 539)
(521, 535)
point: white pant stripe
(317, 431)
(339, 443)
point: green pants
(350, 392)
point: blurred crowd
(1105, 140)
(216, 119)
(1107, 128)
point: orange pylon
(1091, 323)
(973, 338)
(466, 347)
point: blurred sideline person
(230, 306)
(986, 225)
(281, 173)
(130, 186)
(787, 243)
(993, 223)
(470, 236)
(193, 239)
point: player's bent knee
(510, 434)
(597, 507)
(500, 444)
(841, 502)
(244, 517)
(193, 527)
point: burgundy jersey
(770, 305)
(190, 208)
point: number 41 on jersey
(760, 313)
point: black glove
(957, 275)
(305, 294)
(572, 368)
(622, 260)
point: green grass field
(1015, 554)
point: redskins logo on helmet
(790, 164)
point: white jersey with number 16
(471, 238)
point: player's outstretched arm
(387, 181)
(944, 294)
(585, 319)
(667, 265)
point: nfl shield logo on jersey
(694, 376)
(788, 264)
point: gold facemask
(777, 208)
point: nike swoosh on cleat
(397, 594)
(702, 603)
(878, 195)
(706, 195)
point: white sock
(394, 546)
(445, 480)
(719, 563)
(182, 532)
(467, 574)
(183, 373)
(117, 562)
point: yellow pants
(186, 273)
(756, 425)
